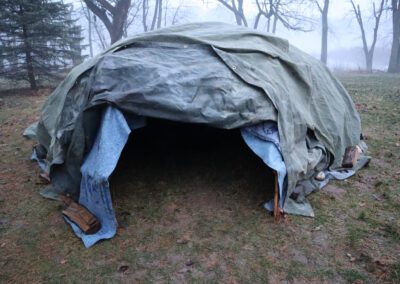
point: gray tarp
(222, 75)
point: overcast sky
(344, 32)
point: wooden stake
(277, 213)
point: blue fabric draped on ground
(215, 74)
(98, 166)
(95, 195)
(263, 140)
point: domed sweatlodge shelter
(290, 110)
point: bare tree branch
(113, 17)
(236, 7)
(153, 22)
(99, 33)
(368, 52)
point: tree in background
(394, 61)
(37, 39)
(377, 13)
(89, 19)
(287, 12)
(323, 9)
(134, 12)
(157, 15)
(114, 17)
(142, 14)
(291, 14)
(236, 7)
(160, 17)
(266, 10)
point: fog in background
(344, 36)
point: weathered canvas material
(212, 73)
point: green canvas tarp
(211, 73)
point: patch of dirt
(334, 191)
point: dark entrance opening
(195, 165)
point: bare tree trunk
(90, 33)
(241, 13)
(275, 13)
(99, 34)
(368, 52)
(257, 20)
(119, 20)
(236, 13)
(262, 11)
(324, 35)
(145, 10)
(28, 59)
(165, 13)
(236, 9)
(369, 58)
(259, 14)
(394, 61)
(88, 17)
(160, 13)
(274, 24)
(153, 22)
(174, 18)
(324, 32)
(133, 13)
(118, 15)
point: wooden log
(80, 216)
(351, 156)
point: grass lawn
(198, 217)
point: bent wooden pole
(277, 213)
